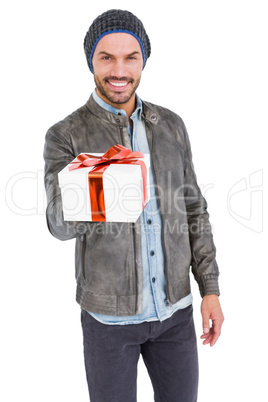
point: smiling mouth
(118, 84)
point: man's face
(117, 64)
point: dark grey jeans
(168, 349)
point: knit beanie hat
(114, 21)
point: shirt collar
(110, 108)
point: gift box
(110, 187)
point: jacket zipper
(83, 239)
(167, 299)
(134, 264)
(132, 233)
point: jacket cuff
(209, 285)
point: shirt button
(149, 221)
(153, 280)
(152, 252)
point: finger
(215, 335)
(204, 336)
(208, 340)
(207, 337)
(206, 324)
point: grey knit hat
(113, 21)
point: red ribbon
(117, 154)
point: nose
(119, 69)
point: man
(133, 279)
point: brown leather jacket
(108, 255)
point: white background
(209, 64)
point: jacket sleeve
(204, 265)
(58, 152)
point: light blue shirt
(155, 304)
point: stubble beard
(117, 98)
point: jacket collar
(109, 117)
(150, 114)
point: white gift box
(123, 192)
